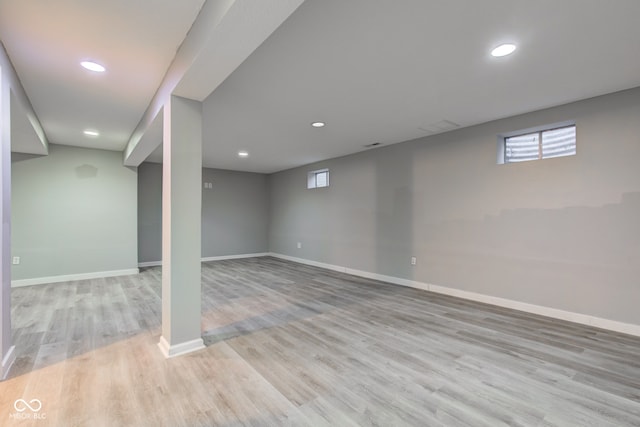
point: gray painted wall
(149, 212)
(234, 213)
(73, 212)
(561, 233)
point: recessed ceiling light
(243, 153)
(503, 50)
(93, 66)
(91, 132)
(318, 124)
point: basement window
(535, 144)
(318, 179)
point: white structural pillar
(7, 353)
(181, 223)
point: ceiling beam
(223, 35)
(40, 144)
(209, 17)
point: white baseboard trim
(309, 262)
(149, 264)
(179, 349)
(584, 319)
(70, 277)
(207, 259)
(113, 273)
(240, 256)
(360, 273)
(7, 362)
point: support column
(181, 223)
(7, 353)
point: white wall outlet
(16, 260)
(299, 245)
(208, 185)
(413, 260)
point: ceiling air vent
(439, 127)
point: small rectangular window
(318, 179)
(541, 144)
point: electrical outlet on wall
(16, 260)
(413, 260)
(299, 245)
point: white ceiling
(374, 70)
(135, 40)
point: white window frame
(312, 178)
(502, 139)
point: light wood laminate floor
(289, 344)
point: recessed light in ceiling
(91, 132)
(243, 153)
(93, 66)
(503, 50)
(318, 124)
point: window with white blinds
(543, 144)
